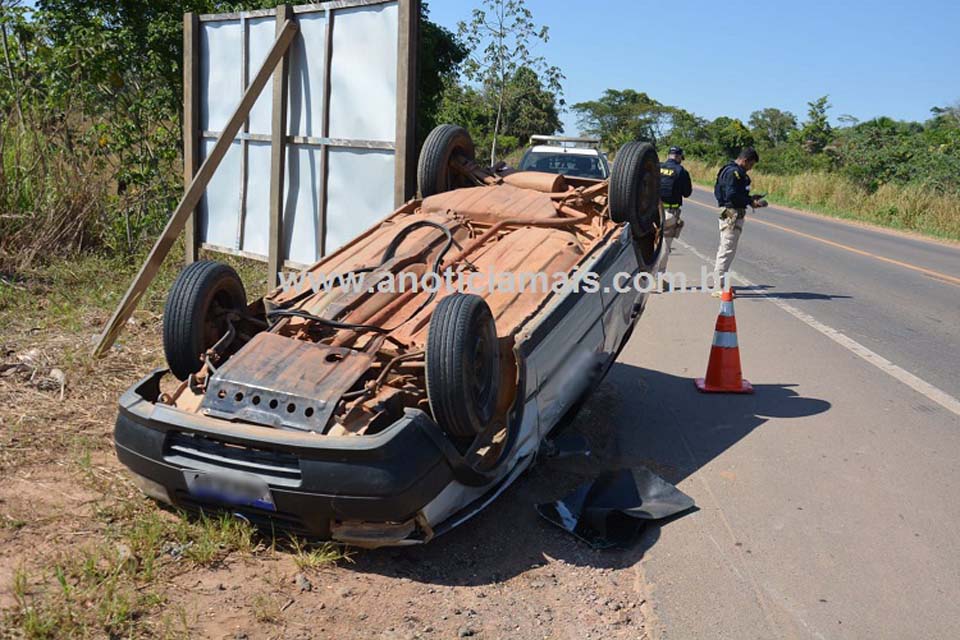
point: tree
(949, 114)
(729, 136)
(530, 108)
(817, 132)
(466, 106)
(689, 131)
(499, 36)
(622, 116)
(772, 126)
(440, 55)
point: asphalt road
(901, 301)
(828, 500)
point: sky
(873, 58)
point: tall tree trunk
(496, 127)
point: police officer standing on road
(732, 191)
(675, 185)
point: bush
(915, 207)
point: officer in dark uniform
(732, 191)
(675, 185)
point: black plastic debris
(566, 445)
(612, 510)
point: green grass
(109, 587)
(307, 555)
(910, 208)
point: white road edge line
(919, 385)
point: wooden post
(192, 197)
(278, 157)
(325, 134)
(405, 178)
(191, 125)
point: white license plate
(234, 488)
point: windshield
(568, 164)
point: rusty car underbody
(319, 398)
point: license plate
(238, 489)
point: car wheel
(194, 316)
(463, 365)
(635, 196)
(434, 171)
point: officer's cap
(676, 151)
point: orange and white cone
(724, 374)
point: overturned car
(387, 415)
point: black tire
(194, 314)
(635, 186)
(434, 174)
(463, 365)
(635, 198)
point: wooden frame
(191, 124)
(278, 158)
(404, 147)
(197, 175)
(194, 192)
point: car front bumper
(365, 490)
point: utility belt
(667, 205)
(740, 212)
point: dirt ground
(84, 554)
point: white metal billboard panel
(256, 222)
(261, 33)
(361, 111)
(305, 115)
(302, 204)
(219, 222)
(221, 84)
(364, 73)
(359, 207)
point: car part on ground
(386, 415)
(613, 509)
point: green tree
(466, 106)
(500, 35)
(772, 126)
(620, 116)
(817, 132)
(728, 136)
(440, 55)
(948, 116)
(530, 107)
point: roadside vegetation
(90, 122)
(904, 175)
(910, 207)
(85, 553)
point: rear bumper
(356, 489)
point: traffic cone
(724, 374)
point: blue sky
(730, 58)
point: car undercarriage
(374, 414)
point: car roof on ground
(573, 151)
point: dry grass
(92, 556)
(309, 555)
(911, 207)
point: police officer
(732, 191)
(675, 185)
